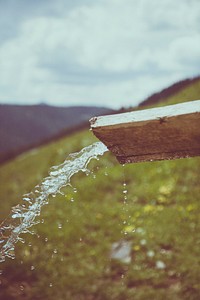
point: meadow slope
(154, 206)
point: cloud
(111, 53)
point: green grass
(69, 256)
(192, 92)
(189, 93)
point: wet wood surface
(162, 133)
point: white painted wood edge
(147, 114)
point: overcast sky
(95, 52)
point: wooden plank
(162, 133)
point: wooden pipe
(161, 133)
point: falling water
(23, 216)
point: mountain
(23, 127)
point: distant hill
(170, 91)
(23, 127)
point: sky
(112, 53)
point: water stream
(22, 217)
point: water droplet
(46, 239)
(21, 240)
(27, 199)
(50, 284)
(125, 192)
(32, 268)
(75, 190)
(42, 221)
(21, 287)
(1, 272)
(59, 225)
(55, 251)
(11, 253)
(72, 199)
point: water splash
(23, 216)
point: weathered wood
(162, 133)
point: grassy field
(153, 206)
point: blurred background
(129, 232)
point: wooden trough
(162, 133)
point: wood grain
(163, 133)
